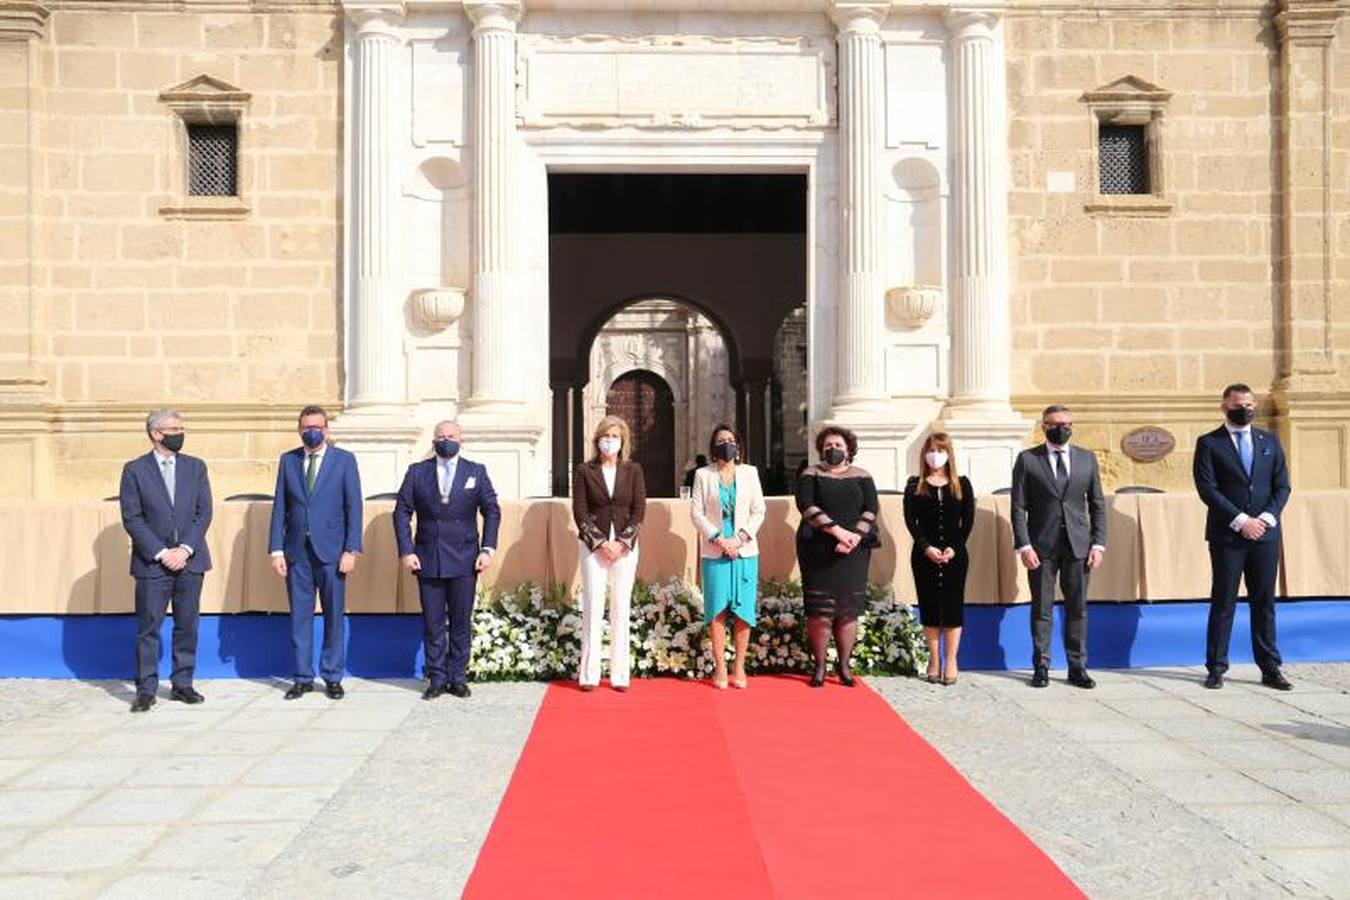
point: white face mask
(610, 446)
(936, 459)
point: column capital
(1308, 22)
(971, 24)
(494, 15)
(375, 17)
(23, 20)
(858, 16)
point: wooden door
(646, 403)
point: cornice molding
(23, 20)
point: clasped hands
(730, 546)
(1254, 528)
(940, 556)
(174, 559)
(848, 540)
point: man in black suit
(1059, 529)
(166, 508)
(447, 493)
(1241, 476)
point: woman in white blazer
(727, 508)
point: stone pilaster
(861, 321)
(978, 415)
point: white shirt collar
(1233, 429)
(1057, 448)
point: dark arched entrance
(647, 404)
(731, 246)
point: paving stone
(147, 805)
(1210, 786)
(40, 807)
(1265, 826)
(207, 845)
(47, 887)
(1317, 786)
(289, 769)
(80, 849)
(196, 770)
(209, 885)
(78, 771)
(293, 803)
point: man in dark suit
(166, 508)
(1241, 476)
(315, 536)
(447, 493)
(1059, 529)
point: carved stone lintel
(23, 20)
(1308, 22)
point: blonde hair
(625, 434)
(939, 440)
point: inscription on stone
(1148, 444)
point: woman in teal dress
(727, 508)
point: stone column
(979, 416)
(497, 369)
(861, 323)
(1309, 392)
(376, 378)
(981, 357)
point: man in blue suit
(315, 536)
(166, 509)
(447, 493)
(1241, 475)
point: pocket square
(469, 483)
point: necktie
(1061, 472)
(1244, 442)
(311, 472)
(166, 470)
(445, 483)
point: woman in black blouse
(838, 503)
(939, 513)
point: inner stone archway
(731, 246)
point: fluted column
(376, 375)
(497, 284)
(860, 380)
(981, 353)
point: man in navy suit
(315, 536)
(1241, 476)
(447, 493)
(166, 509)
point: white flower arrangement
(531, 634)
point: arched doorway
(647, 404)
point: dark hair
(1236, 388)
(313, 409)
(712, 440)
(1052, 409)
(850, 440)
(700, 460)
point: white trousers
(597, 574)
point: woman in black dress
(939, 513)
(838, 503)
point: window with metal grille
(1122, 155)
(213, 160)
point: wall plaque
(1148, 444)
(687, 81)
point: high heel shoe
(845, 676)
(719, 682)
(817, 678)
(740, 683)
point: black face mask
(446, 448)
(1241, 415)
(1059, 434)
(725, 451)
(173, 442)
(834, 456)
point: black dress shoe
(1040, 677)
(186, 695)
(1080, 678)
(817, 680)
(845, 676)
(433, 691)
(334, 690)
(298, 690)
(142, 703)
(1214, 681)
(1275, 679)
(460, 689)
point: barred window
(213, 160)
(1122, 159)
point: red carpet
(677, 790)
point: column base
(987, 437)
(508, 439)
(1315, 431)
(384, 438)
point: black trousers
(1256, 562)
(447, 614)
(153, 597)
(1071, 572)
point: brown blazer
(595, 511)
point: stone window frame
(1130, 101)
(205, 100)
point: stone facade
(363, 263)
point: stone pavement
(1148, 786)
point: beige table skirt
(73, 558)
